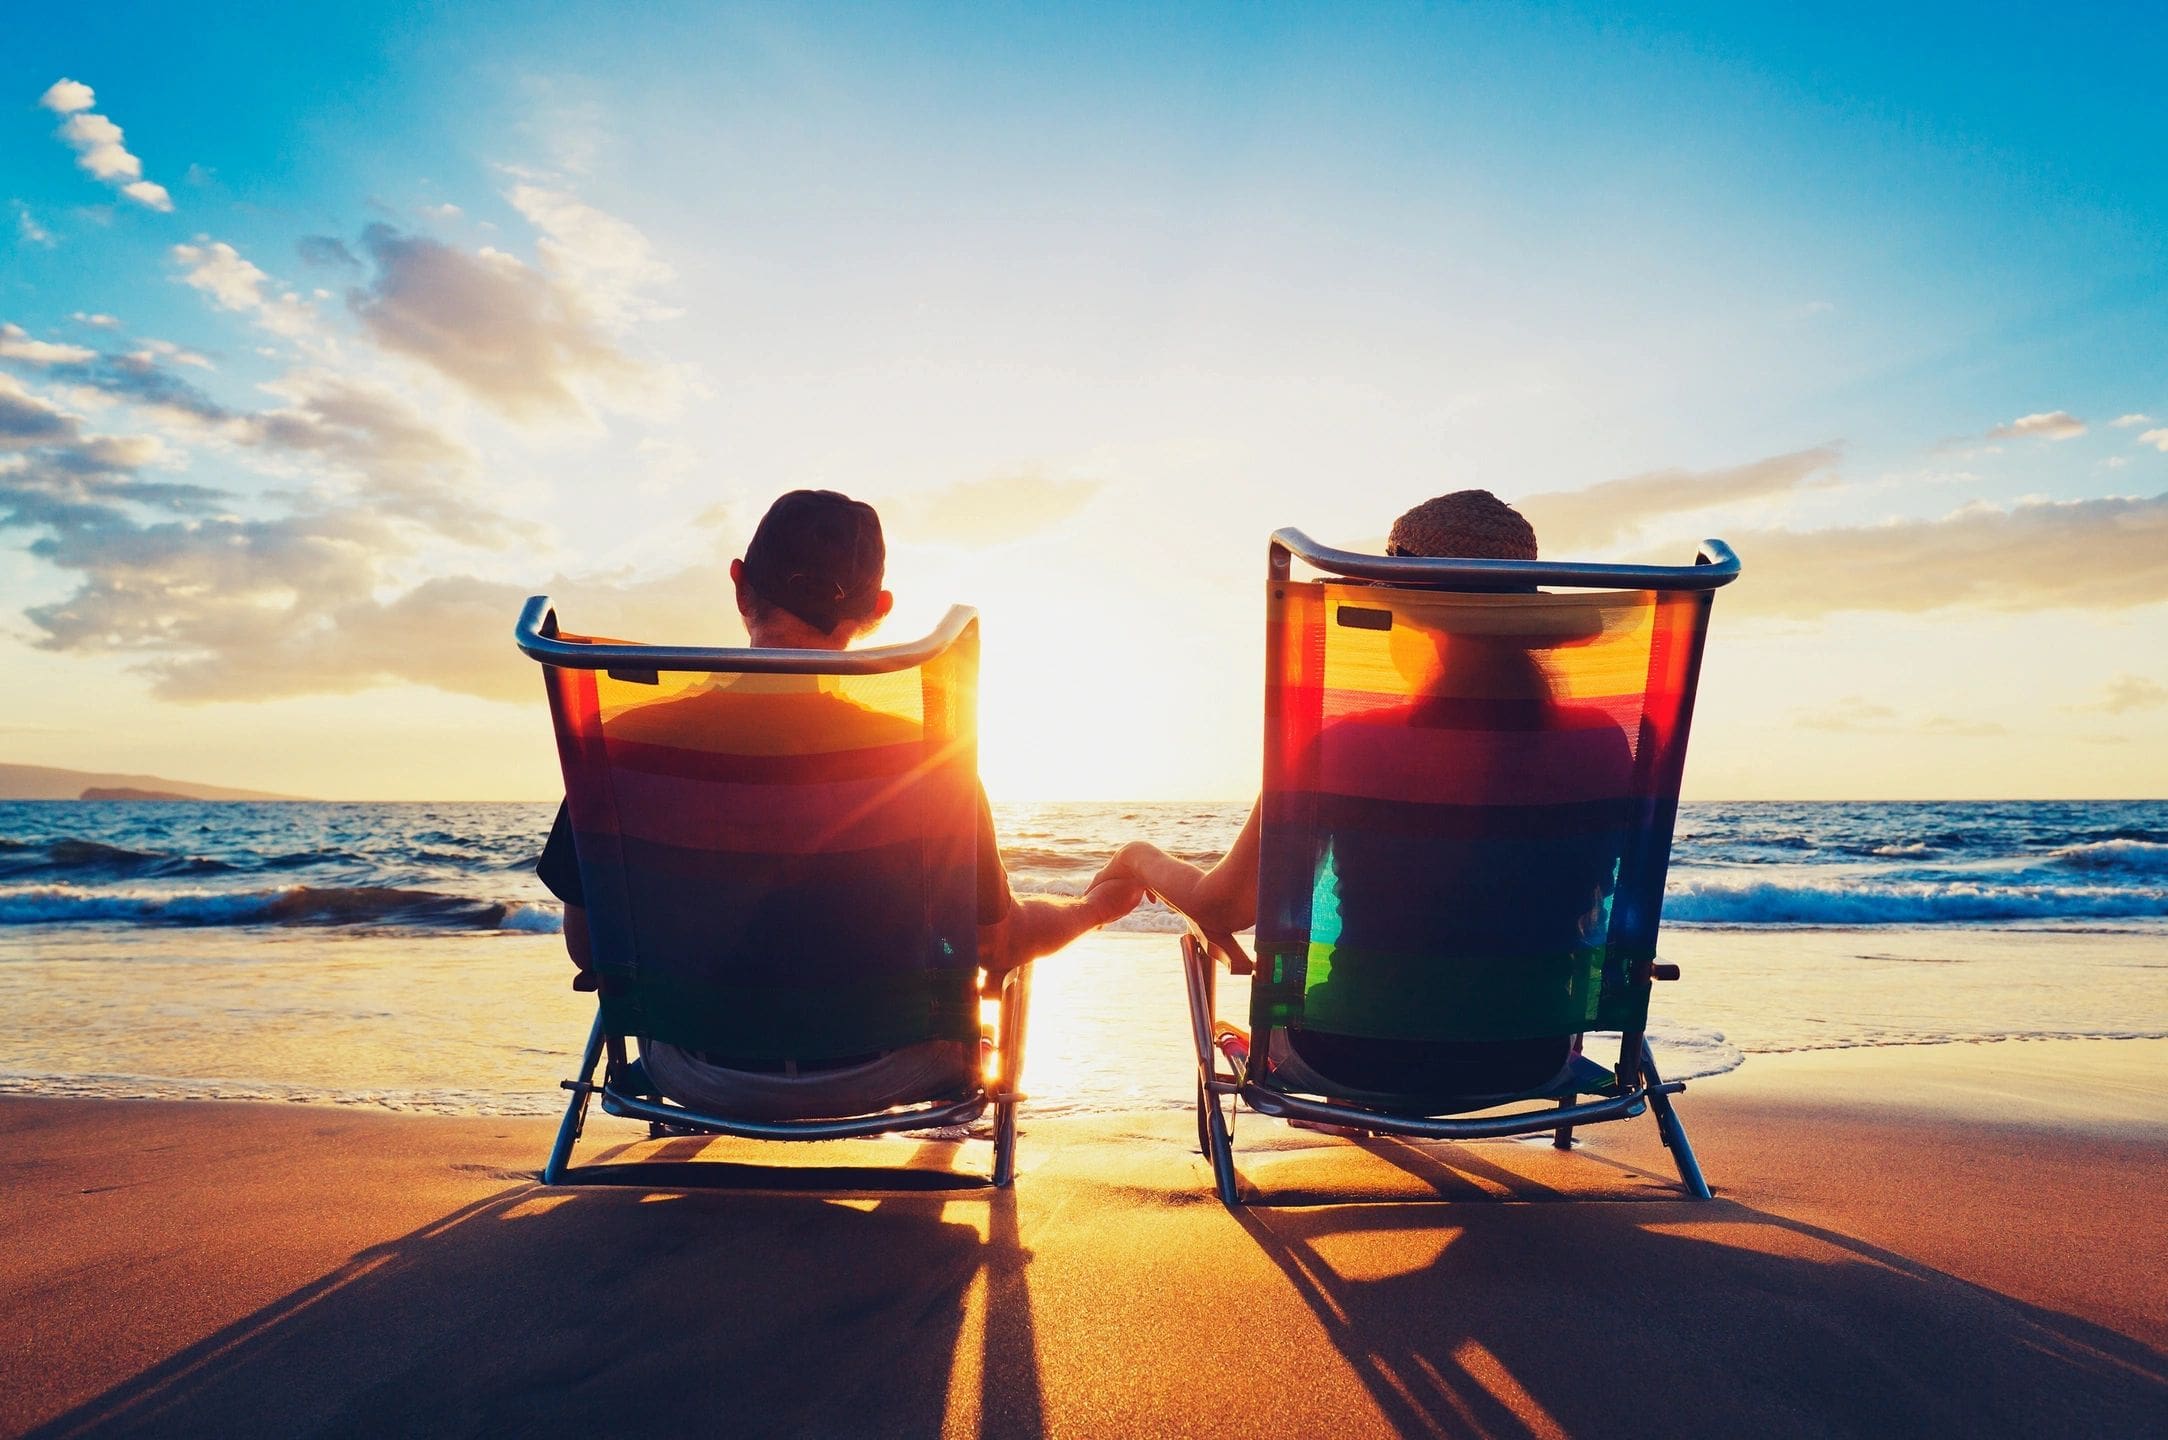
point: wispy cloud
(100, 148)
(1577, 521)
(2131, 421)
(326, 250)
(95, 322)
(2126, 693)
(2046, 425)
(1856, 715)
(28, 228)
(2104, 554)
(2158, 439)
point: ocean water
(405, 955)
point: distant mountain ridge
(47, 782)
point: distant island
(47, 782)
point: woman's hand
(1143, 864)
(1110, 896)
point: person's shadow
(616, 1310)
(1595, 1317)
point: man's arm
(579, 947)
(1221, 900)
(1039, 925)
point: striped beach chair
(778, 854)
(1469, 792)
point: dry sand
(1954, 1240)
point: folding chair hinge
(582, 1087)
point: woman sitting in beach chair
(741, 828)
(1457, 862)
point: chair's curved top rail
(536, 635)
(1714, 566)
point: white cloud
(605, 260)
(2158, 439)
(2131, 421)
(2045, 425)
(233, 283)
(65, 97)
(148, 192)
(16, 344)
(100, 148)
(96, 322)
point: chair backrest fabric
(1468, 807)
(778, 866)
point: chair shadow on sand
(798, 1301)
(1649, 1317)
(860, 1303)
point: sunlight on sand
(1359, 1257)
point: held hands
(1110, 896)
(1178, 885)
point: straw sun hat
(1468, 525)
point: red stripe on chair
(1469, 767)
(793, 819)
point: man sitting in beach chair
(1457, 863)
(811, 581)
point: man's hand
(1109, 897)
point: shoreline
(1946, 1238)
(182, 1090)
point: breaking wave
(365, 906)
(1866, 902)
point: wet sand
(1963, 1239)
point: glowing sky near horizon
(332, 333)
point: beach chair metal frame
(537, 636)
(1223, 1072)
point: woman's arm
(1222, 899)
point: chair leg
(1562, 1137)
(1211, 1119)
(1004, 1144)
(1672, 1131)
(582, 1088)
(1015, 1010)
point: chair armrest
(1226, 950)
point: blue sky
(1089, 300)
